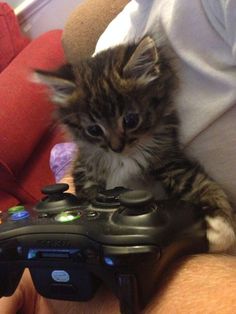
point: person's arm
(196, 284)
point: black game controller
(123, 238)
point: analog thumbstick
(136, 202)
(136, 209)
(136, 198)
(55, 188)
(56, 199)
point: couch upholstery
(26, 127)
(86, 24)
(12, 41)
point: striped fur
(128, 83)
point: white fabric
(203, 35)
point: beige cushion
(86, 24)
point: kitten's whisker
(149, 151)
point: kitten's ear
(61, 88)
(142, 64)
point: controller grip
(140, 281)
(61, 282)
(10, 275)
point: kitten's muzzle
(118, 145)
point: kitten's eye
(131, 120)
(94, 130)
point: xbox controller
(123, 238)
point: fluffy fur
(119, 108)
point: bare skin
(196, 284)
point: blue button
(60, 276)
(20, 215)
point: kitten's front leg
(187, 180)
(85, 188)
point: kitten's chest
(110, 170)
(123, 173)
(113, 170)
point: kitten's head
(116, 99)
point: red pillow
(11, 39)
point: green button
(15, 209)
(67, 216)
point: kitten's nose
(117, 144)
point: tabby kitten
(119, 108)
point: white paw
(220, 234)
